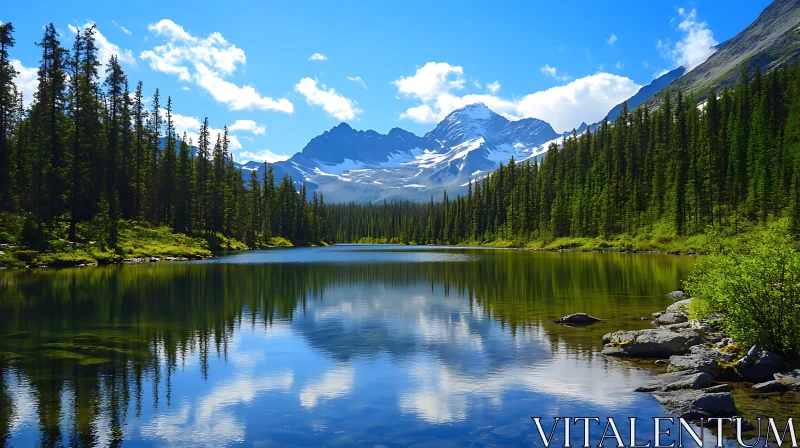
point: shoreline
(158, 258)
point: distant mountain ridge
(345, 164)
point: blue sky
(379, 65)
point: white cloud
(191, 126)
(619, 65)
(124, 30)
(431, 80)
(317, 57)
(334, 103)
(612, 40)
(552, 72)
(186, 88)
(493, 87)
(265, 155)
(586, 99)
(26, 81)
(106, 49)
(335, 383)
(696, 45)
(358, 80)
(207, 62)
(248, 126)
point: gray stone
(747, 425)
(679, 380)
(651, 343)
(694, 404)
(660, 362)
(677, 295)
(681, 306)
(769, 386)
(657, 314)
(672, 318)
(718, 388)
(763, 368)
(791, 380)
(702, 358)
(577, 319)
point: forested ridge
(727, 164)
(90, 154)
(90, 157)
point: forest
(90, 165)
(89, 157)
(726, 165)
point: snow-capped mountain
(349, 165)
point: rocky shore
(702, 360)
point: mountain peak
(342, 127)
(476, 111)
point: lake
(334, 346)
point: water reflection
(402, 346)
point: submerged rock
(652, 343)
(577, 319)
(718, 388)
(695, 404)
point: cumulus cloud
(248, 126)
(124, 30)
(207, 62)
(334, 103)
(552, 72)
(264, 155)
(586, 99)
(26, 81)
(106, 49)
(358, 80)
(191, 126)
(431, 80)
(612, 40)
(317, 57)
(697, 42)
(493, 87)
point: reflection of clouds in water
(442, 394)
(335, 383)
(213, 423)
(22, 399)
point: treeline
(88, 153)
(682, 169)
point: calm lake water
(336, 346)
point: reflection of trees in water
(101, 336)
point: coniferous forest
(92, 155)
(727, 163)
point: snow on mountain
(345, 164)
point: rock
(718, 388)
(762, 368)
(679, 380)
(660, 362)
(769, 386)
(754, 351)
(644, 318)
(747, 425)
(658, 314)
(672, 318)
(651, 343)
(677, 295)
(679, 307)
(703, 358)
(791, 380)
(695, 404)
(695, 324)
(577, 319)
